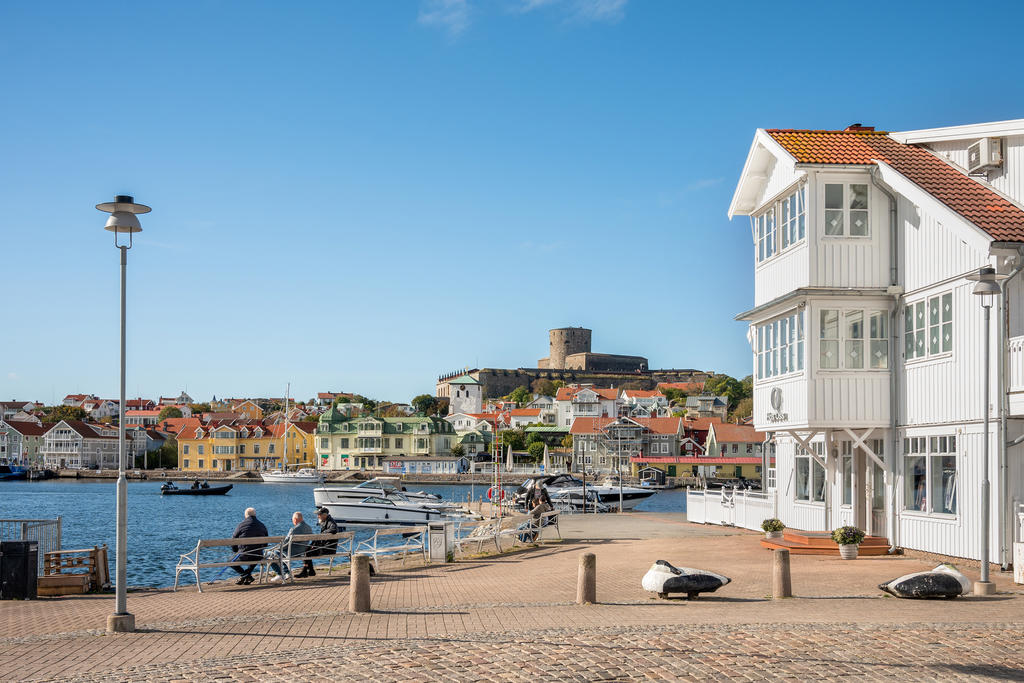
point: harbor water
(160, 528)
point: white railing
(1016, 363)
(730, 507)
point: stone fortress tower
(564, 342)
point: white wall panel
(931, 252)
(781, 274)
(1009, 179)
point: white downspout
(894, 382)
(1005, 514)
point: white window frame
(847, 210)
(847, 340)
(920, 324)
(814, 469)
(780, 344)
(932, 449)
(776, 227)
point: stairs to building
(821, 543)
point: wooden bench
(285, 554)
(394, 540)
(61, 575)
(221, 547)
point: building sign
(777, 415)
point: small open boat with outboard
(197, 489)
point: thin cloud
(703, 184)
(606, 11)
(451, 16)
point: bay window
(781, 225)
(846, 210)
(780, 346)
(844, 339)
(929, 474)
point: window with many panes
(780, 346)
(781, 225)
(846, 210)
(810, 475)
(928, 327)
(929, 474)
(853, 340)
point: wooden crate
(63, 584)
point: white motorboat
(378, 511)
(381, 487)
(305, 475)
(607, 493)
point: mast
(284, 434)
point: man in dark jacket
(327, 526)
(250, 527)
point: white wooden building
(867, 340)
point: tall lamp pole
(987, 288)
(122, 221)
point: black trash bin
(19, 569)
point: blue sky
(360, 196)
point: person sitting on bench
(299, 548)
(250, 527)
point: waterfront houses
(22, 442)
(575, 401)
(240, 444)
(73, 444)
(867, 342)
(344, 443)
(603, 444)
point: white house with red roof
(867, 340)
(609, 444)
(644, 403)
(584, 400)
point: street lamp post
(987, 288)
(122, 221)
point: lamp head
(123, 211)
(988, 282)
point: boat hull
(212, 491)
(277, 478)
(371, 514)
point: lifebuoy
(490, 494)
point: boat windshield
(377, 500)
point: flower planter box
(848, 552)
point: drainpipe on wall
(894, 382)
(1005, 515)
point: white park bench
(394, 540)
(284, 552)
(217, 553)
(222, 556)
(520, 528)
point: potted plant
(773, 527)
(848, 538)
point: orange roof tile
(997, 216)
(727, 432)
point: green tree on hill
(424, 403)
(169, 411)
(521, 395)
(58, 413)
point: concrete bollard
(359, 585)
(586, 582)
(782, 584)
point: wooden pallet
(62, 571)
(63, 584)
(821, 543)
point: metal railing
(46, 531)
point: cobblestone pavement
(909, 652)
(513, 617)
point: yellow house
(301, 447)
(227, 447)
(249, 409)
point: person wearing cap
(327, 525)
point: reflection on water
(160, 528)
